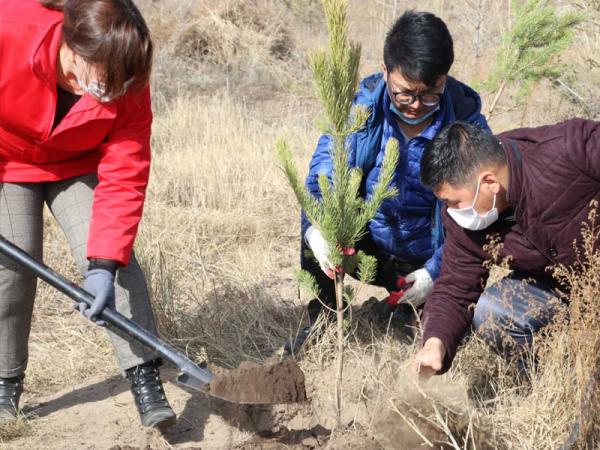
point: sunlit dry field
(219, 244)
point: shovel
(191, 375)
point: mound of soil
(272, 382)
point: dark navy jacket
(408, 225)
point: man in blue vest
(411, 101)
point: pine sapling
(529, 49)
(341, 214)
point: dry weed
(17, 428)
(234, 45)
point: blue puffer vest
(407, 226)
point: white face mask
(470, 219)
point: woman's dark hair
(110, 34)
(420, 46)
(456, 153)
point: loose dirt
(100, 414)
(271, 382)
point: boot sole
(162, 418)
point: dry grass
(219, 239)
(240, 47)
(569, 355)
(14, 429)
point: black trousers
(389, 269)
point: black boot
(315, 309)
(10, 392)
(149, 395)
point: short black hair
(420, 46)
(456, 153)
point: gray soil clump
(272, 382)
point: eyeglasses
(427, 98)
(95, 88)
(98, 90)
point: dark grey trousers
(21, 222)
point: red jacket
(554, 174)
(112, 140)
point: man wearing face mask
(75, 121)
(532, 188)
(411, 101)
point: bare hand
(428, 360)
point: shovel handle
(114, 320)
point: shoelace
(10, 390)
(147, 388)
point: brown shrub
(204, 45)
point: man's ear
(490, 180)
(385, 72)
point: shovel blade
(194, 377)
(189, 381)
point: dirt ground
(100, 414)
(97, 412)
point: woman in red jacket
(75, 121)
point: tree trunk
(339, 297)
(495, 100)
